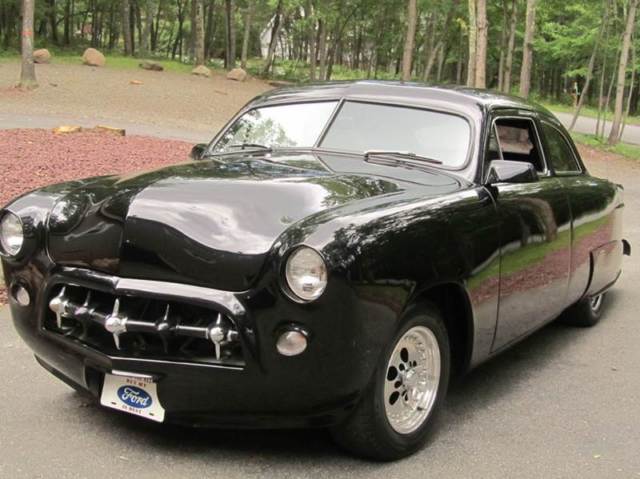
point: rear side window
(559, 154)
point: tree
(592, 62)
(230, 50)
(622, 72)
(511, 45)
(28, 71)
(473, 38)
(198, 47)
(275, 32)
(481, 44)
(527, 49)
(145, 39)
(126, 27)
(409, 42)
(247, 33)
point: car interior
(515, 140)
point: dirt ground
(168, 99)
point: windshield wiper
(244, 146)
(405, 155)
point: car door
(535, 234)
(596, 206)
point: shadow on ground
(491, 383)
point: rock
(110, 130)
(280, 83)
(237, 74)
(61, 130)
(202, 71)
(135, 82)
(153, 66)
(41, 56)
(93, 58)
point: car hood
(214, 222)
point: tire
(586, 312)
(369, 431)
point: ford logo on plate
(134, 397)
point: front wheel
(398, 409)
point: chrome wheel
(596, 302)
(413, 376)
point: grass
(623, 149)
(114, 60)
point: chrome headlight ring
(305, 274)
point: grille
(142, 327)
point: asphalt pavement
(565, 403)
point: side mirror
(504, 171)
(198, 151)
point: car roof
(397, 92)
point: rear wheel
(586, 312)
(398, 409)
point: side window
(559, 153)
(518, 142)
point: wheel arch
(452, 300)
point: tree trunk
(230, 57)
(68, 13)
(322, 49)
(247, 35)
(126, 28)
(28, 70)
(275, 31)
(631, 88)
(145, 39)
(313, 54)
(409, 41)
(198, 48)
(504, 38)
(210, 29)
(508, 64)
(592, 62)
(527, 49)
(473, 39)
(481, 44)
(53, 22)
(622, 73)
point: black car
(330, 259)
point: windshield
(298, 125)
(360, 127)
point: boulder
(41, 56)
(237, 74)
(153, 66)
(65, 129)
(93, 58)
(202, 71)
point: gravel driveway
(167, 99)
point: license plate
(132, 394)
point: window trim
(543, 157)
(571, 146)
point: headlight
(11, 234)
(306, 273)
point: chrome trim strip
(161, 289)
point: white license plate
(132, 394)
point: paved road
(588, 126)
(565, 403)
